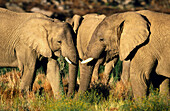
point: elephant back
(10, 21)
(9, 24)
(85, 31)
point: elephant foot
(24, 88)
(23, 93)
(164, 88)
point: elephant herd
(141, 39)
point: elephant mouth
(58, 54)
(87, 60)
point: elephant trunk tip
(87, 60)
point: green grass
(155, 102)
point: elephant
(84, 27)
(141, 37)
(28, 40)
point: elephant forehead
(104, 33)
(57, 31)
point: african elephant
(143, 37)
(31, 39)
(84, 26)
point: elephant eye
(101, 39)
(59, 42)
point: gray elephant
(26, 39)
(84, 26)
(143, 37)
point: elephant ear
(34, 35)
(134, 31)
(75, 22)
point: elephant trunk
(72, 76)
(85, 77)
(71, 57)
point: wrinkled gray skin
(125, 71)
(84, 27)
(142, 37)
(26, 39)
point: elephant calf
(28, 38)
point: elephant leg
(95, 75)
(125, 72)
(53, 76)
(164, 87)
(141, 68)
(161, 82)
(85, 77)
(29, 69)
(138, 83)
(27, 78)
(108, 68)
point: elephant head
(116, 35)
(49, 37)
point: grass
(91, 101)
(98, 98)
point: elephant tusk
(68, 60)
(87, 60)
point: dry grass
(9, 84)
(10, 81)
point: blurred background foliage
(62, 9)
